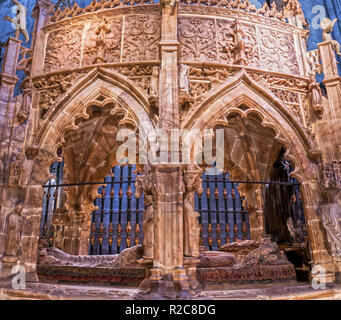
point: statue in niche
(315, 93)
(193, 183)
(19, 21)
(154, 82)
(144, 184)
(13, 231)
(331, 217)
(327, 26)
(294, 13)
(184, 78)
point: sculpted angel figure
(331, 220)
(315, 93)
(193, 183)
(184, 78)
(19, 21)
(327, 26)
(144, 184)
(154, 82)
(13, 231)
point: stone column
(329, 135)
(41, 13)
(330, 129)
(164, 182)
(8, 80)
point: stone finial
(327, 26)
(294, 13)
(19, 21)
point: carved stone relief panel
(140, 74)
(198, 39)
(277, 51)
(63, 49)
(103, 42)
(233, 36)
(52, 88)
(142, 34)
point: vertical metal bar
(217, 227)
(225, 226)
(112, 195)
(137, 222)
(200, 219)
(120, 199)
(129, 196)
(209, 228)
(101, 226)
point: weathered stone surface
(170, 65)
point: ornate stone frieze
(103, 42)
(236, 43)
(243, 6)
(198, 39)
(277, 51)
(63, 50)
(142, 34)
(94, 6)
(51, 88)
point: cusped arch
(97, 83)
(100, 87)
(242, 90)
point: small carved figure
(19, 21)
(13, 231)
(327, 26)
(331, 215)
(315, 93)
(148, 227)
(143, 183)
(184, 78)
(17, 174)
(100, 40)
(236, 49)
(193, 183)
(154, 82)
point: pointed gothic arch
(243, 96)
